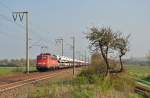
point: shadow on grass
(143, 95)
(147, 78)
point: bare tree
(105, 40)
(121, 45)
(101, 39)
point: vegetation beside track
(92, 85)
(7, 71)
(87, 84)
(139, 72)
(14, 66)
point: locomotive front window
(42, 57)
(39, 58)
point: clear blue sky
(51, 19)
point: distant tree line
(148, 58)
(134, 61)
(15, 62)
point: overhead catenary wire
(9, 20)
(1, 3)
(36, 37)
(19, 25)
(6, 34)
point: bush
(80, 80)
(93, 72)
(83, 94)
(121, 82)
(94, 75)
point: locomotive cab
(46, 61)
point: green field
(5, 71)
(139, 72)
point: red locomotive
(47, 61)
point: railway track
(142, 88)
(31, 78)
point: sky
(53, 19)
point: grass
(139, 72)
(147, 78)
(89, 86)
(64, 86)
(53, 87)
(73, 89)
(6, 71)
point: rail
(20, 83)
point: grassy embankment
(7, 71)
(139, 72)
(87, 84)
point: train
(47, 61)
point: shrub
(83, 94)
(80, 80)
(121, 82)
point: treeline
(136, 62)
(16, 62)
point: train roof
(45, 54)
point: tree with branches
(121, 45)
(101, 39)
(104, 39)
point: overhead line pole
(79, 54)
(62, 45)
(21, 14)
(85, 58)
(27, 44)
(73, 38)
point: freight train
(47, 61)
